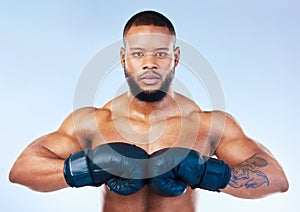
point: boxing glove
(120, 166)
(172, 169)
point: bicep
(74, 134)
(235, 147)
(252, 164)
(60, 143)
(55, 145)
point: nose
(149, 62)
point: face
(149, 60)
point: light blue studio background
(252, 45)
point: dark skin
(173, 121)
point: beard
(151, 95)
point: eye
(137, 54)
(161, 54)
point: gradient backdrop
(254, 47)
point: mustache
(141, 74)
(152, 72)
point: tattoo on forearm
(247, 174)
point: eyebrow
(161, 48)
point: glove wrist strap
(76, 169)
(216, 175)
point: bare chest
(153, 135)
(146, 201)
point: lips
(149, 79)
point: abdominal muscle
(147, 201)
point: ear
(176, 56)
(122, 57)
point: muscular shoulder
(231, 143)
(219, 120)
(83, 122)
(221, 128)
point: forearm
(256, 177)
(42, 171)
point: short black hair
(148, 18)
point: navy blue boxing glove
(172, 169)
(121, 166)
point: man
(150, 147)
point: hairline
(171, 34)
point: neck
(143, 109)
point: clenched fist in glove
(118, 165)
(172, 169)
